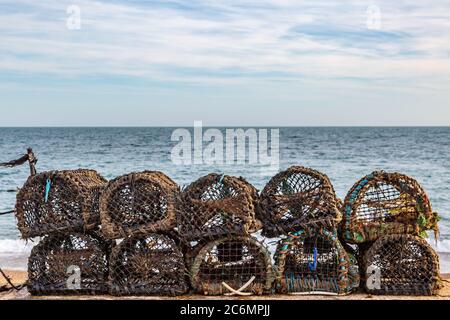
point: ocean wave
(15, 246)
(442, 245)
(18, 246)
(14, 253)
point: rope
(7, 212)
(29, 156)
(239, 291)
(5, 288)
(15, 163)
(313, 265)
(47, 189)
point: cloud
(283, 50)
(312, 40)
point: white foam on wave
(442, 245)
(14, 253)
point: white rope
(239, 291)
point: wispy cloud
(230, 42)
(319, 39)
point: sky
(224, 62)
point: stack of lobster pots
(385, 218)
(138, 211)
(60, 208)
(299, 206)
(215, 219)
(141, 234)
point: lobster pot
(401, 265)
(386, 203)
(315, 263)
(147, 265)
(68, 265)
(215, 206)
(138, 204)
(59, 201)
(232, 264)
(298, 198)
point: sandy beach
(19, 277)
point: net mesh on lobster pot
(215, 206)
(148, 265)
(232, 265)
(298, 198)
(402, 265)
(386, 203)
(69, 264)
(315, 262)
(138, 204)
(59, 201)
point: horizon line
(229, 126)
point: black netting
(59, 201)
(148, 265)
(69, 264)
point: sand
(19, 277)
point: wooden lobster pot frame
(215, 206)
(232, 265)
(138, 204)
(314, 263)
(59, 201)
(69, 264)
(298, 198)
(386, 203)
(148, 265)
(401, 265)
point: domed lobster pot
(147, 265)
(386, 203)
(215, 206)
(401, 265)
(315, 262)
(237, 265)
(298, 198)
(69, 264)
(138, 204)
(59, 201)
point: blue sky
(236, 63)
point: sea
(345, 154)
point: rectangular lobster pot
(296, 199)
(138, 204)
(69, 265)
(59, 201)
(385, 203)
(215, 206)
(148, 265)
(401, 264)
(315, 263)
(232, 265)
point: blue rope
(313, 265)
(221, 178)
(47, 189)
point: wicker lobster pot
(215, 206)
(295, 199)
(69, 264)
(138, 204)
(59, 201)
(401, 265)
(386, 203)
(315, 262)
(148, 265)
(238, 263)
